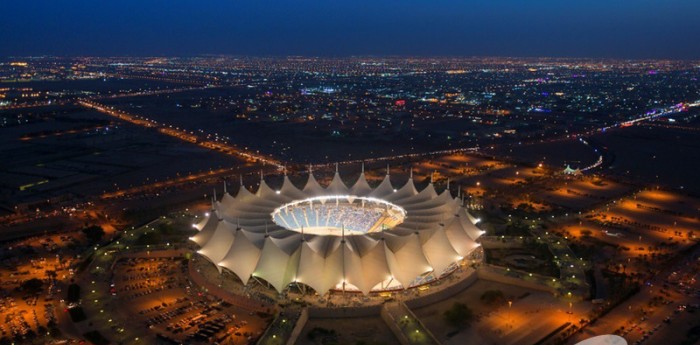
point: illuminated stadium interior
(338, 215)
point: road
(182, 134)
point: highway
(182, 134)
(650, 115)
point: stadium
(355, 238)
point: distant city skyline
(596, 29)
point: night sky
(564, 28)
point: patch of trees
(94, 233)
(32, 286)
(459, 315)
(325, 335)
(73, 293)
(493, 298)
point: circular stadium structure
(355, 238)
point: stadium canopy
(238, 234)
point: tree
(73, 293)
(51, 274)
(32, 286)
(459, 315)
(493, 297)
(94, 233)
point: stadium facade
(357, 238)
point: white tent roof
(439, 251)
(436, 233)
(311, 268)
(409, 261)
(352, 268)
(460, 241)
(266, 193)
(290, 191)
(275, 266)
(384, 189)
(207, 230)
(313, 187)
(361, 186)
(337, 186)
(243, 255)
(469, 227)
(407, 191)
(216, 248)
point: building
(399, 238)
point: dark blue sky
(570, 28)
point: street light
(510, 305)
